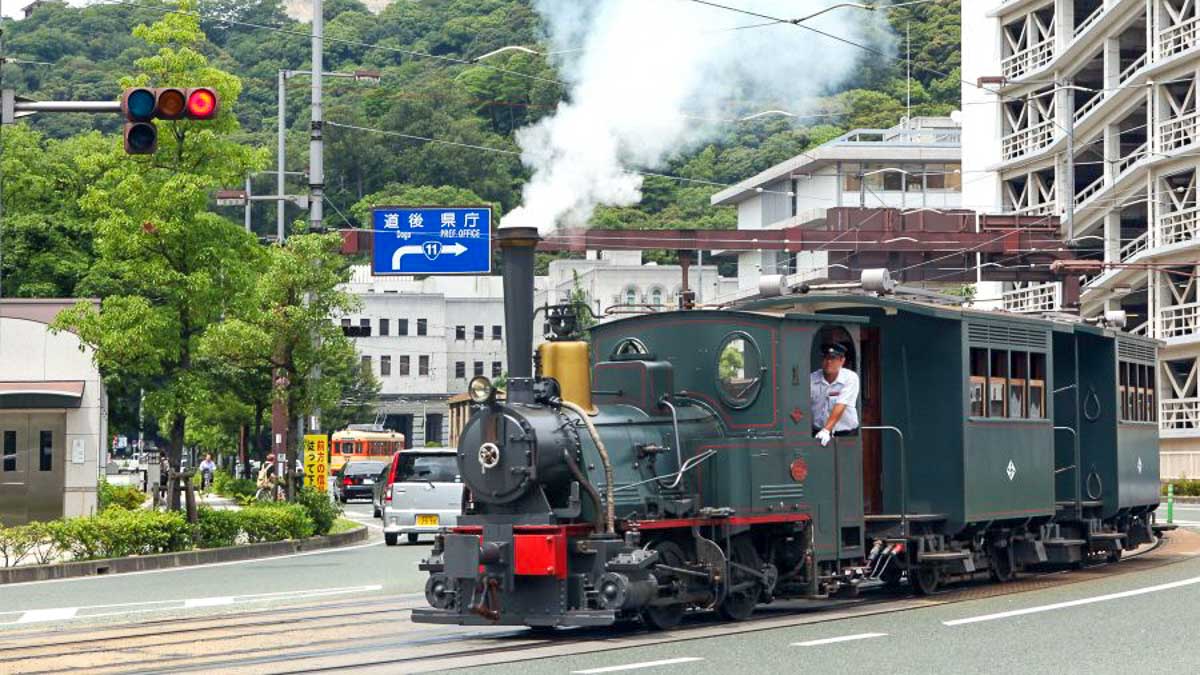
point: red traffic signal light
(201, 103)
(142, 105)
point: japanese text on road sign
(316, 461)
(432, 240)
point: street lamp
(368, 76)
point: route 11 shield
(432, 240)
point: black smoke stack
(517, 246)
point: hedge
(1183, 487)
(117, 532)
(124, 496)
(226, 485)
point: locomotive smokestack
(517, 245)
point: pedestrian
(207, 467)
(266, 480)
(164, 474)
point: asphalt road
(1186, 515)
(1112, 620)
(364, 569)
(1120, 624)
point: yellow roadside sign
(316, 461)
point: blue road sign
(432, 240)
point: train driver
(834, 392)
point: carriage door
(14, 468)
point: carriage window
(739, 370)
(1018, 375)
(1123, 388)
(1136, 389)
(978, 381)
(1151, 406)
(1036, 396)
(997, 383)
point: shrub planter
(91, 568)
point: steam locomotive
(669, 463)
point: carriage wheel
(1114, 556)
(1003, 570)
(925, 579)
(666, 617)
(740, 605)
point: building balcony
(1135, 247)
(1178, 227)
(1178, 322)
(1028, 140)
(1178, 38)
(1179, 417)
(1028, 60)
(1033, 300)
(1179, 132)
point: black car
(357, 480)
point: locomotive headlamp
(480, 390)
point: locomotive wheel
(666, 617)
(740, 605)
(925, 580)
(1003, 569)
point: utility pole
(280, 151)
(1068, 191)
(316, 158)
(249, 192)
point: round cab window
(739, 370)
(630, 348)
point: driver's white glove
(824, 436)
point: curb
(159, 561)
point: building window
(656, 296)
(631, 296)
(852, 177)
(422, 326)
(460, 369)
(383, 326)
(401, 326)
(366, 364)
(460, 332)
(10, 450)
(364, 328)
(893, 180)
(478, 368)
(478, 333)
(385, 366)
(497, 332)
(914, 180)
(346, 323)
(46, 451)
(423, 365)
(405, 366)
(433, 429)
(497, 369)
(795, 195)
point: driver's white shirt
(825, 395)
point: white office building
(915, 165)
(1104, 91)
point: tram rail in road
(365, 632)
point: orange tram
(365, 442)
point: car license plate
(368, 481)
(427, 521)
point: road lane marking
(1074, 603)
(55, 614)
(638, 666)
(227, 563)
(834, 640)
(69, 613)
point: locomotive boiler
(668, 463)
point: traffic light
(142, 105)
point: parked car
(419, 493)
(356, 480)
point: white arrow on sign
(455, 249)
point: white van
(423, 494)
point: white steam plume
(649, 78)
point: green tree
(284, 328)
(166, 268)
